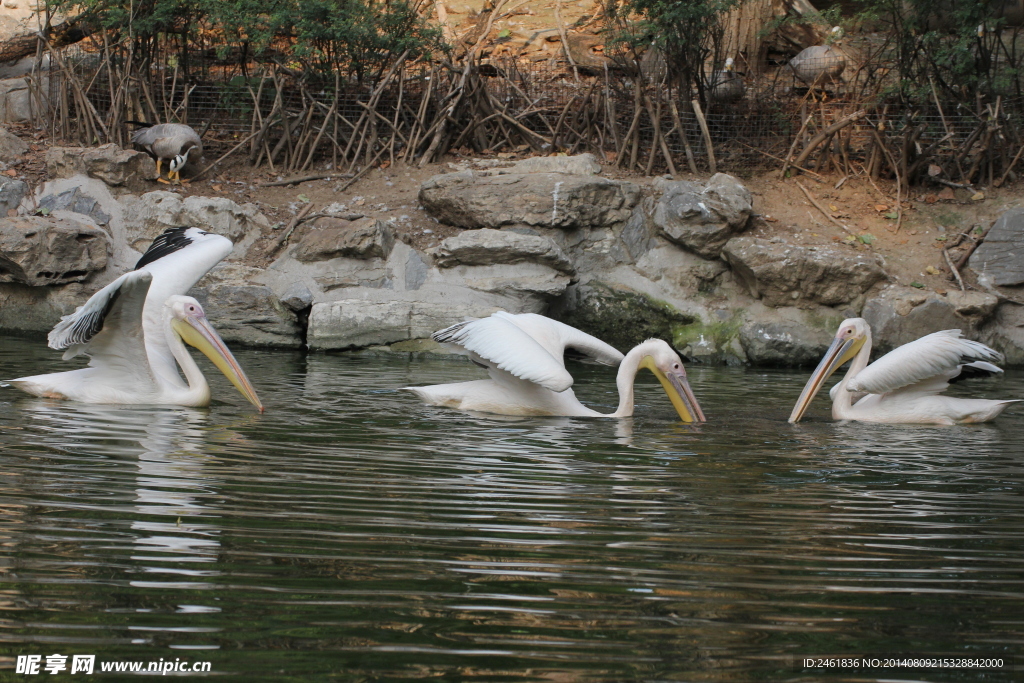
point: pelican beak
(678, 389)
(196, 331)
(838, 353)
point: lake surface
(352, 533)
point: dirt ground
(911, 241)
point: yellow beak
(197, 332)
(838, 353)
(678, 389)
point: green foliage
(687, 32)
(357, 38)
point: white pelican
(134, 327)
(904, 385)
(523, 354)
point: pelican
(904, 385)
(135, 330)
(523, 354)
(171, 141)
(820, 63)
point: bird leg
(158, 178)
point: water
(351, 533)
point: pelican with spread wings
(906, 384)
(135, 330)
(523, 354)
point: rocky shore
(620, 259)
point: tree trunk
(67, 33)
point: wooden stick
(963, 259)
(819, 207)
(707, 135)
(363, 172)
(772, 156)
(224, 156)
(828, 132)
(291, 228)
(303, 179)
(1002, 178)
(956, 272)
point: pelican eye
(675, 366)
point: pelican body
(905, 385)
(171, 141)
(135, 330)
(523, 354)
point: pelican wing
(935, 356)
(555, 337)
(511, 349)
(120, 345)
(74, 331)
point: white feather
(935, 355)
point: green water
(352, 533)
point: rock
(79, 202)
(297, 297)
(115, 166)
(515, 280)
(1004, 332)
(638, 233)
(147, 216)
(38, 250)
(356, 323)
(899, 315)
(702, 219)
(488, 247)
(365, 238)
(619, 316)
(11, 193)
(556, 200)
(1001, 255)
(11, 146)
(782, 274)
(784, 343)
(38, 309)
(580, 164)
(17, 102)
(249, 314)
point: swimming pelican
(523, 354)
(134, 327)
(903, 386)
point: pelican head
(189, 322)
(666, 365)
(852, 334)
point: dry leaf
(931, 270)
(833, 207)
(217, 187)
(977, 196)
(881, 207)
(934, 170)
(930, 198)
(11, 172)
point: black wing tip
(449, 334)
(975, 370)
(167, 242)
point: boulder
(1004, 332)
(899, 315)
(38, 309)
(356, 323)
(147, 216)
(18, 102)
(115, 166)
(76, 200)
(1001, 256)
(784, 343)
(555, 200)
(11, 146)
(486, 247)
(702, 219)
(580, 164)
(515, 280)
(782, 274)
(364, 238)
(249, 314)
(11, 193)
(618, 315)
(39, 250)
(297, 297)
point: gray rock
(899, 315)
(115, 166)
(147, 216)
(38, 250)
(77, 201)
(365, 238)
(580, 164)
(38, 309)
(783, 343)
(702, 219)
(356, 323)
(11, 193)
(11, 146)
(638, 233)
(416, 271)
(249, 314)
(1004, 332)
(297, 297)
(1001, 255)
(17, 102)
(515, 279)
(470, 200)
(782, 274)
(488, 247)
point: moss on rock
(622, 317)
